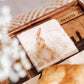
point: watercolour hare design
(44, 51)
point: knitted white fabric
(36, 13)
(82, 1)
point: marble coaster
(47, 44)
(76, 59)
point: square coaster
(47, 44)
(76, 59)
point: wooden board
(68, 15)
(72, 27)
(72, 19)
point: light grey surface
(19, 7)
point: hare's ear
(39, 32)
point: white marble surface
(76, 59)
(56, 40)
(19, 7)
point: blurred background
(12, 63)
(19, 7)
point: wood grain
(73, 26)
